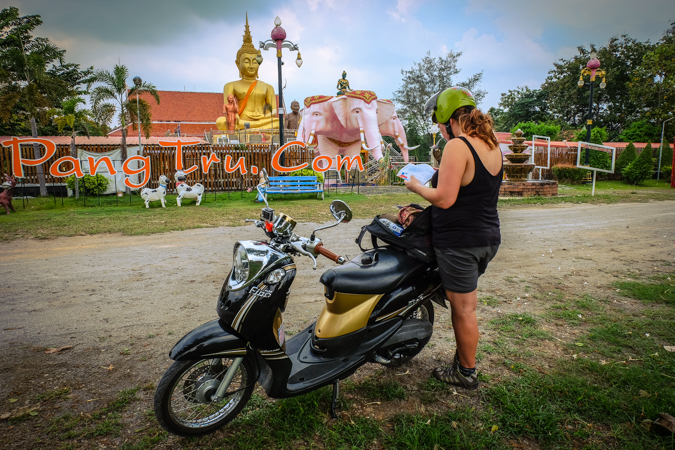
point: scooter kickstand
(336, 393)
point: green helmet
(442, 104)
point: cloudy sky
(191, 45)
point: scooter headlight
(241, 264)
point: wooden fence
(163, 162)
(559, 155)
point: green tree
(598, 135)
(640, 131)
(652, 86)
(78, 121)
(530, 129)
(666, 155)
(640, 169)
(112, 94)
(427, 77)
(627, 156)
(34, 76)
(524, 105)
(613, 107)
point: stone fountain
(517, 170)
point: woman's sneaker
(452, 375)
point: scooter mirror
(341, 211)
(267, 178)
(263, 192)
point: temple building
(181, 113)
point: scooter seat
(373, 272)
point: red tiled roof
(79, 140)
(111, 140)
(159, 129)
(185, 106)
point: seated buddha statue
(255, 97)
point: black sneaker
(452, 375)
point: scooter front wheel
(183, 404)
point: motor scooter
(377, 309)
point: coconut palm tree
(78, 120)
(113, 91)
(27, 86)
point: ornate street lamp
(137, 82)
(592, 69)
(278, 41)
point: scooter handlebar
(321, 250)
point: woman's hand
(413, 184)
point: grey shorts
(461, 267)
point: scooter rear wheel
(183, 403)
(402, 356)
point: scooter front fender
(210, 339)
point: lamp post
(663, 128)
(278, 40)
(434, 129)
(137, 82)
(592, 69)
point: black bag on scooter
(414, 239)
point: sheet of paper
(423, 172)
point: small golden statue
(343, 84)
(251, 94)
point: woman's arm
(450, 173)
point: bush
(307, 173)
(529, 129)
(665, 171)
(599, 159)
(89, 185)
(598, 135)
(568, 174)
(626, 157)
(640, 169)
(640, 131)
(666, 155)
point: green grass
(103, 422)
(48, 217)
(620, 378)
(663, 292)
(381, 390)
(489, 301)
(521, 326)
(55, 394)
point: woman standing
(465, 223)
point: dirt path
(122, 302)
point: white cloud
(591, 20)
(314, 4)
(403, 8)
(513, 59)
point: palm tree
(27, 86)
(77, 120)
(113, 89)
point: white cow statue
(185, 191)
(153, 195)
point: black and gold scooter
(377, 309)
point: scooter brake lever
(298, 246)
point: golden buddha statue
(255, 97)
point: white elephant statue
(346, 124)
(185, 191)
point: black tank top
(473, 220)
